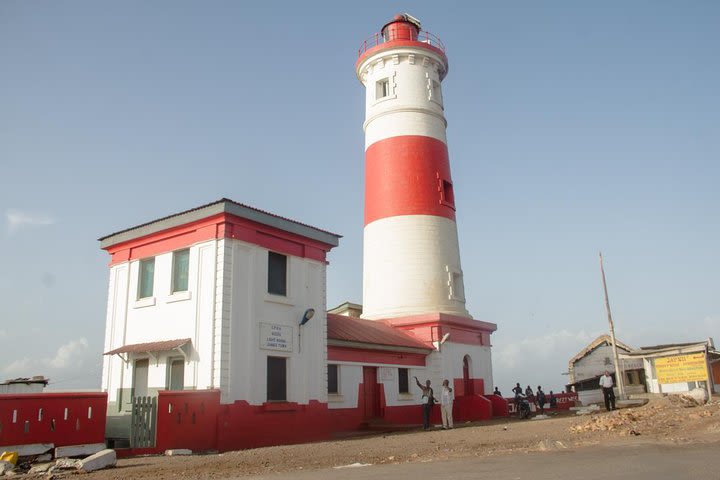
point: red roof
(352, 329)
(162, 346)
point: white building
(212, 298)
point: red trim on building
(367, 356)
(399, 44)
(222, 225)
(403, 176)
(432, 326)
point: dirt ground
(664, 420)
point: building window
(146, 278)
(607, 361)
(277, 274)
(276, 379)
(403, 384)
(333, 379)
(382, 88)
(181, 265)
(176, 374)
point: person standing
(540, 397)
(497, 392)
(446, 405)
(427, 401)
(553, 400)
(606, 383)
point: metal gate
(143, 421)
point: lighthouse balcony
(379, 38)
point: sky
(573, 128)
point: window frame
(336, 367)
(141, 284)
(173, 279)
(407, 381)
(270, 285)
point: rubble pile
(668, 414)
(36, 459)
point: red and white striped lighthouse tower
(411, 253)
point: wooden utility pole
(618, 373)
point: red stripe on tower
(408, 175)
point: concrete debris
(45, 457)
(67, 463)
(660, 415)
(102, 459)
(354, 465)
(5, 467)
(79, 450)
(178, 451)
(540, 417)
(29, 450)
(700, 395)
(586, 410)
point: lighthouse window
(277, 274)
(448, 195)
(382, 88)
(276, 379)
(435, 92)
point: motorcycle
(523, 406)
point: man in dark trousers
(427, 401)
(606, 383)
(540, 398)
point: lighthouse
(411, 261)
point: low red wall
(499, 405)
(241, 425)
(472, 408)
(59, 418)
(187, 419)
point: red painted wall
(241, 425)
(499, 405)
(716, 372)
(40, 418)
(187, 419)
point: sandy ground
(664, 421)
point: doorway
(371, 396)
(140, 378)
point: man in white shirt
(606, 383)
(446, 405)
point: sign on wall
(276, 337)
(681, 368)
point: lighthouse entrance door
(371, 397)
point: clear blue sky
(573, 127)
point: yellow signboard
(681, 368)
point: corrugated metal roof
(351, 329)
(162, 346)
(222, 205)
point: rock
(700, 395)
(79, 450)
(40, 468)
(178, 451)
(45, 457)
(102, 459)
